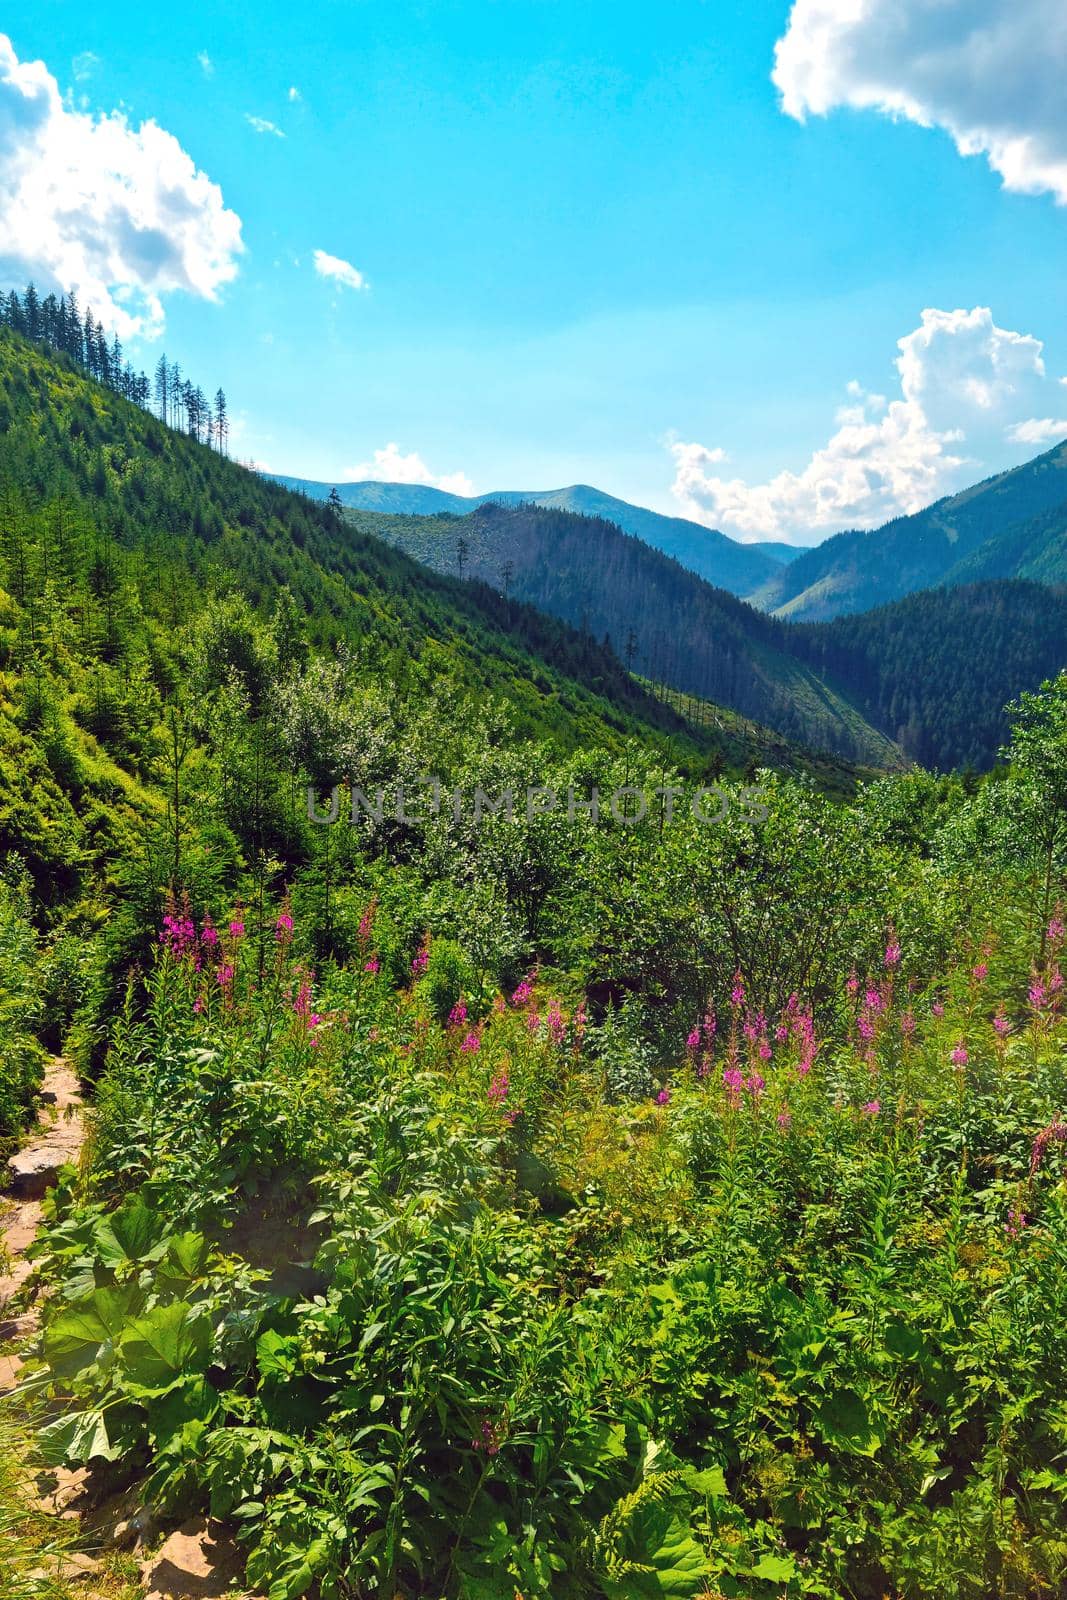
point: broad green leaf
(164, 1343)
(844, 1422)
(85, 1334)
(130, 1234)
(76, 1439)
(774, 1569)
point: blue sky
(588, 233)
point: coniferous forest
(580, 1196)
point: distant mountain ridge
(925, 678)
(1013, 525)
(740, 568)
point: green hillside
(724, 562)
(1010, 526)
(928, 675)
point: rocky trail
(102, 1544)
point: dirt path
(58, 1140)
(199, 1561)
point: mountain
(927, 677)
(1013, 525)
(124, 542)
(667, 623)
(722, 561)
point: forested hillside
(932, 674)
(724, 562)
(1010, 526)
(663, 621)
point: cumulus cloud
(206, 63)
(294, 93)
(119, 214)
(339, 270)
(84, 65)
(392, 466)
(261, 125)
(973, 397)
(989, 72)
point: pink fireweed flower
(421, 962)
(302, 1003)
(872, 1108)
(1038, 994)
(937, 1009)
(1055, 930)
(764, 1051)
(1016, 1222)
(366, 923)
(865, 1027)
(737, 993)
(980, 972)
(458, 1015)
(784, 1118)
(556, 1024)
(283, 928)
(373, 965)
(852, 983)
(533, 1022)
(225, 975)
(907, 1024)
(522, 992)
(579, 1021)
(208, 936)
(1055, 1132)
(179, 934)
(693, 1041)
(781, 1033)
(1001, 1023)
(892, 954)
(711, 1024)
(471, 1044)
(1055, 982)
(237, 929)
(499, 1085)
(959, 1056)
(755, 1085)
(733, 1079)
(873, 1000)
(664, 1097)
(198, 1004)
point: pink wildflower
(283, 928)
(693, 1041)
(373, 965)
(937, 1009)
(458, 1015)
(959, 1056)
(471, 1044)
(1001, 1023)
(907, 1024)
(1016, 1222)
(872, 1108)
(737, 993)
(892, 954)
(664, 1097)
(980, 972)
(1056, 1131)
(498, 1088)
(784, 1118)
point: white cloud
(261, 125)
(341, 271)
(119, 214)
(1038, 430)
(990, 72)
(83, 66)
(206, 63)
(972, 397)
(392, 466)
(294, 93)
